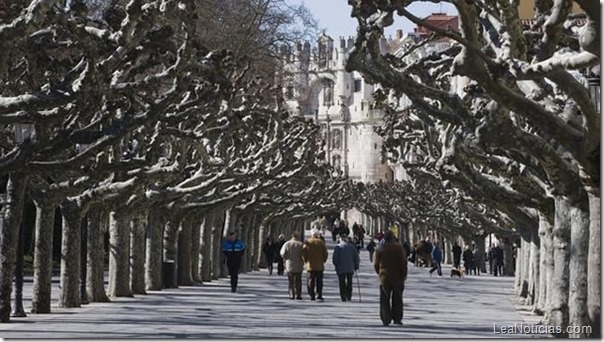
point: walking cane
(359, 286)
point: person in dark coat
(498, 260)
(346, 261)
(280, 262)
(468, 260)
(456, 255)
(270, 253)
(390, 264)
(437, 258)
(233, 249)
(371, 249)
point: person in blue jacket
(233, 249)
(437, 258)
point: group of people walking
(311, 255)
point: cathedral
(316, 85)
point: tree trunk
(184, 253)
(119, 253)
(170, 252)
(594, 263)
(518, 276)
(70, 256)
(83, 260)
(548, 258)
(137, 254)
(508, 255)
(534, 277)
(205, 248)
(561, 244)
(153, 250)
(95, 258)
(12, 212)
(578, 267)
(261, 234)
(217, 232)
(526, 264)
(257, 250)
(45, 220)
(195, 251)
(541, 303)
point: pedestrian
(291, 252)
(270, 252)
(314, 253)
(335, 230)
(468, 260)
(498, 260)
(346, 261)
(233, 249)
(371, 249)
(478, 259)
(490, 257)
(456, 255)
(391, 265)
(280, 262)
(437, 258)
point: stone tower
(316, 85)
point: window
(357, 86)
(336, 161)
(336, 139)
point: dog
(457, 272)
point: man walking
(498, 259)
(346, 260)
(391, 265)
(291, 252)
(280, 264)
(456, 255)
(437, 258)
(314, 253)
(233, 251)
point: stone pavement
(434, 307)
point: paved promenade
(434, 307)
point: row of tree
(136, 122)
(517, 149)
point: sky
(334, 16)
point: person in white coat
(291, 252)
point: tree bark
(119, 253)
(518, 275)
(205, 249)
(526, 264)
(261, 237)
(561, 244)
(70, 256)
(195, 251)
(578, 266)
(184, 253)
(95, 259)
(137, 254)
(12, 212)
(534, 275)
(594, 272)
(153, 250)
(170, 251)
(45, 220)
(545, 241)
(217, 232)
(508, 254)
